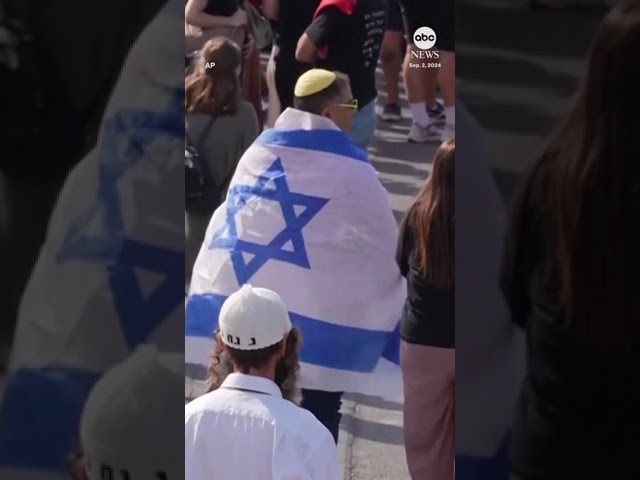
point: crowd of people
(256, 376)
(346, 36)
(299, 316)
(320, 91)
(566, 267)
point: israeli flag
(489, 348)
(307, 217)
(109, 276)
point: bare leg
(391, 58)
(421, 84)
(447, 78)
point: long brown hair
(213, 87)
(225, 360)
(431, 220)
(588, 178)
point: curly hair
(225, 360)
(213, 87)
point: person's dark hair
(588, 179)
(215, 90)
(225, 360)
(431, 220)
(318, 101)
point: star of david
(238, 197)
(126, 138)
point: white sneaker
(420, 134)
(448, 133)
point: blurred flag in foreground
(489, 348)
(307, 217)
(110, 273)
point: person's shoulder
(202, 404)
(246, 109)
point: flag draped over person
(489, 348)
(307, 217)
(109, 275)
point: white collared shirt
(245, 430)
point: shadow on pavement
(373, 431)
(375, 402)
(400, 188)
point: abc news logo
(425, 38)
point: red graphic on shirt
(345, 6)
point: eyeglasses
(352, 104)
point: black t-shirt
(353, 44)
(428, 317)
(222, 8)
(294, 16)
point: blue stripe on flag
(496, 467)
(392, 349)
(328, 141)
(39, 419)
(324, 344)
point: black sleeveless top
(222, 8)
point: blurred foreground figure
(265, 435)
(110, 274)
(570, 276)
(489, 348)
(129, 420)
(49, 118)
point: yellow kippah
(313, 81)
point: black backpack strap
(198, 146)
(205, 165)
(205, 133)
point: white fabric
(253, 318)
(353, 282)
(235, 434)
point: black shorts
(439, 15)
(395, 22)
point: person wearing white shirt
(244, 428)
